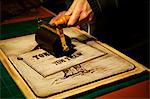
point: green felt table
(8, 88)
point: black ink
(66, 73)
(41, 55)
(73, 56)
(73, 72)
(59, 61)
(67, 58)
(79, 68)
(79, 54)
(35, 57)
(19, 58)
(47, 54)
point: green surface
(8, 88)
(19, 29)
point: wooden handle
(63, 20)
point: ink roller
(52, 39)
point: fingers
(86, 12)
(83, 16)
(70, 10)
(75, 12)
(74, 17)
(81, 12)
(57, 17)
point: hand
(80, 11)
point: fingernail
(69, 24)
(51, 22)
(68, 13)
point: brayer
(52, 39)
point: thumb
(69, 12)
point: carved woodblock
(46, 75)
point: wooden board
(41, 75)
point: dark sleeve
(100, 6)
(125, 28)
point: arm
(84, 10)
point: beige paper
(47, 64)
